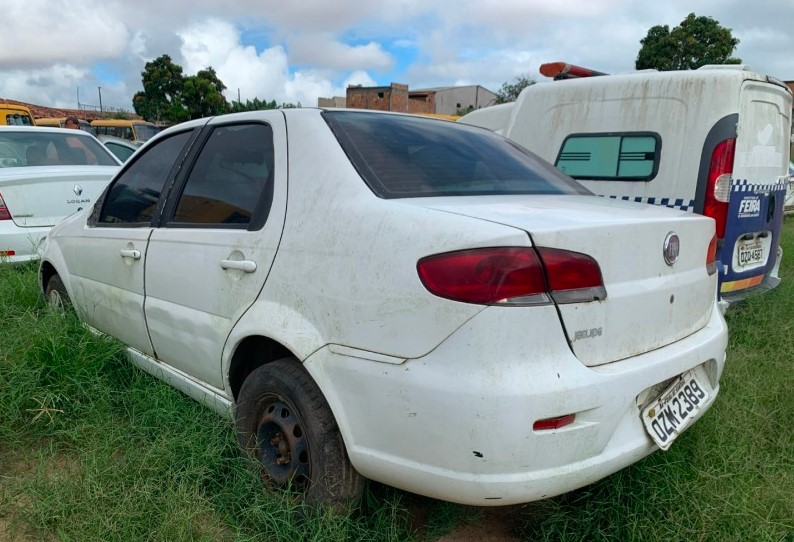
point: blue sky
(297, 52)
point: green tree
(253, 105)
(695, 42)
(259, 105)
(202, 95)
(510, 90)
(160, 99)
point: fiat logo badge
(672, 246)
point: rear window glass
(610, 157)
(46, 148)
(401, 156)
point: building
(336, 101)
(391, 98)
(397, 97)
(451, 100)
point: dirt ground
(495, 526)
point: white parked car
(45, 175)
(400, 298)
(121, 148)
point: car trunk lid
(41, 195)
(649, 302)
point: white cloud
(323, 50)
(265, 75)
(315, 47)
(41, 33)
(55, 86)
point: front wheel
(283, 419)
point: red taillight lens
(485, 275)
(4, 214)
(553, 423)
(512, 275)
(718, 189)
(573, 277)
(711, 256)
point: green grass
(93, 449)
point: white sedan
(399, 298)
(45, 175)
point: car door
(208, 262)
(107, 262)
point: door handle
(243, 265)
(130, 253)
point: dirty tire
(284, 421)
(56, 295)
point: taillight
(718, 189)
(711, 256)
(573, 277)
(512, 275)
(4, 214)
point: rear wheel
(55, 293)
(283, 419)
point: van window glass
(401, 156)
(610, 157)
(134, 195)
(230, 174)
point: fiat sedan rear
(400, 298)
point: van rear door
(749, 252)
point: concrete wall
(336, 101)
(450, 100)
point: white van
(713, 141)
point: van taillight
(718, 189)
(4, 214)
(711, 256)
(513, 276)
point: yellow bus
(61, 121)
(15, 115)
(134, 130)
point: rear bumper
(760, 284)
(25, 243)
(457, 423)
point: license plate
(675, 409)
(751, 253)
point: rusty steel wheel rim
(281, 444)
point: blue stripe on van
(672, 203)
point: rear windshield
(48, 148)
(401, 156)
(144, 132)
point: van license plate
(675, 409)
(750, 253)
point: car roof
(42, 129)
(104, 138)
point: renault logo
(77, 189)
(671, 248)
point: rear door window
(403, 156)
(231, 174)
(610, 157)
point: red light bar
(561, 70)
